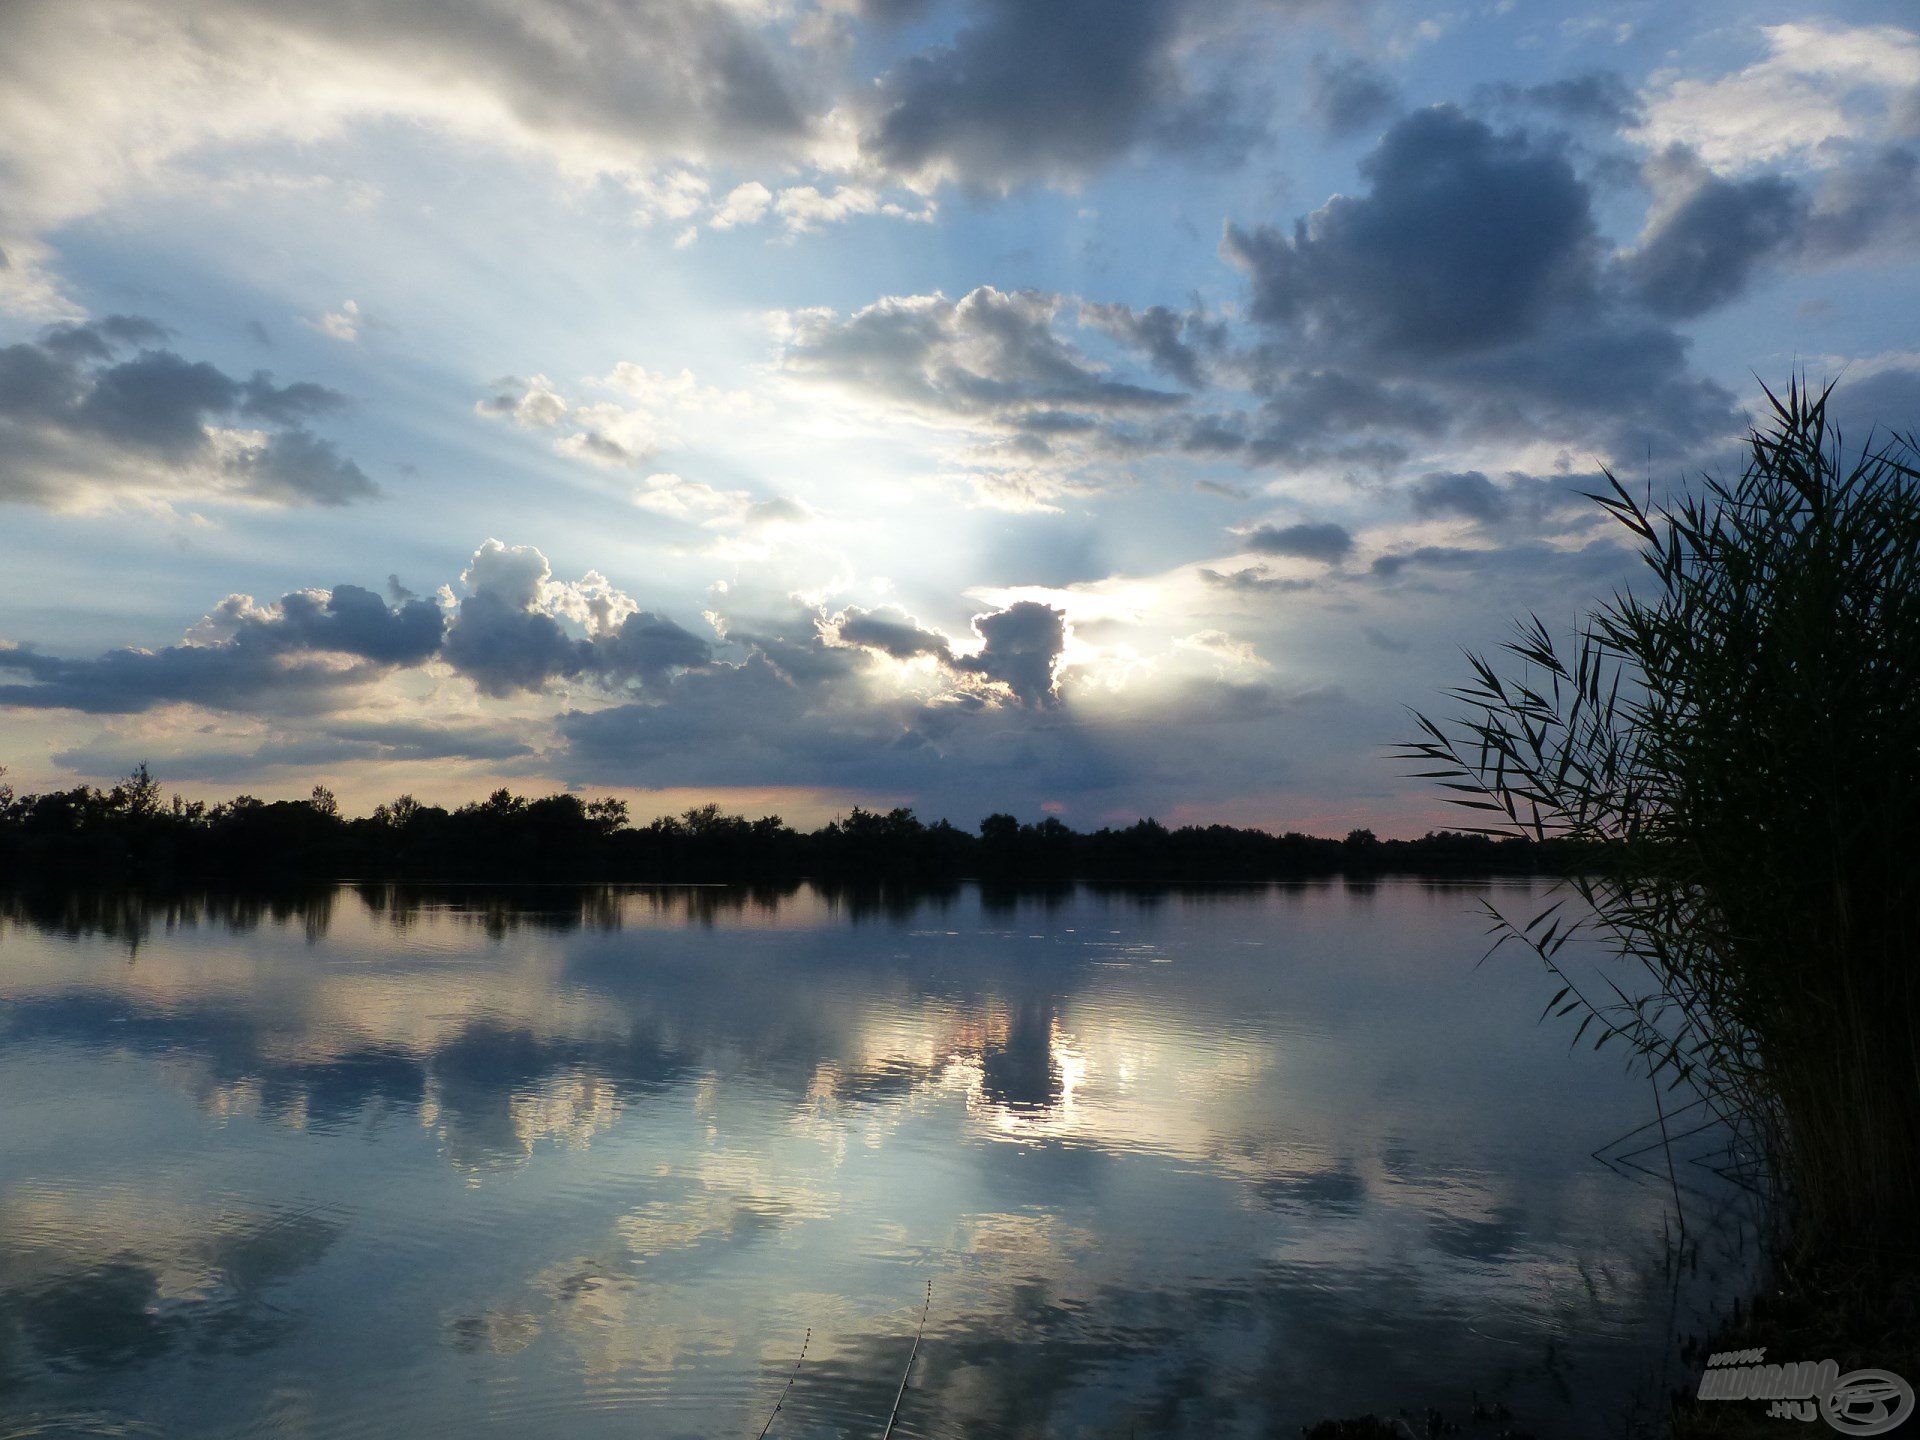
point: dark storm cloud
(505, 639)
(218, 677)
(1704, 250)
(955, 755)
(743, 724)
(799, 709)
(890, 632)
(1879, 405)
(646, 647)
(1336, 400)
(79, 416)
(1020, 648)
(331, 743)
(1327, 543)
(1052, 92)
(1468, 239)
(310, 650)
(505, 648)
(410, 740)
(804, 698)
(1464, 493)
(1594, 97)
(1517, 570)
(347, 620)
(1430, 557)
(272, 659)
(1465, 292)
(1254, 580)
(1350, 95)
(1869, 205)
(296, 468)
(1714, 237)
(518, 631)
(99, 339)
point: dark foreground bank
(134, 831)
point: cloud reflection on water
(1191, 1162)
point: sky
(1096, 408)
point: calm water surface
(597, 1162)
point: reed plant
(1736, 735)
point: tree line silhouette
(134, 831)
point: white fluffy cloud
(1817, 84)
(647, 418)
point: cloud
(694, 502)
(1710, 237)
(1870, 206)
(1252, 580)
(1034, 411)
(507, 634)
(306, 652)
(673, 195)
(1465, 293)
(1702, 246)
(803, 209)
(1051, 93)
(867, 700)
(803, 707)
(1468, 239)
(807, 209)
(1517, 504)
(343, 324)
(1220, 647)
(1349, 95)
(953, 754)
(1328, 544)
(1819, 83)
(989, 353)
(603, 89)
(1020, 648)
(1175, 342)
(609, 432)
(680, 499)
(533, 404)
(96, 101)
(324, 742)
(515, 630)
(745, 205)
(1880, 396)
(1515, 570)
(98, 412)
(892, 632)
(1594, 97)
(385, 739)
(1465, 493)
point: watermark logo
(1860, 1402)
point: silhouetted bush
(1741, 745)
(132, 832)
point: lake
(600, 1161)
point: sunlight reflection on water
(594, 1161)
